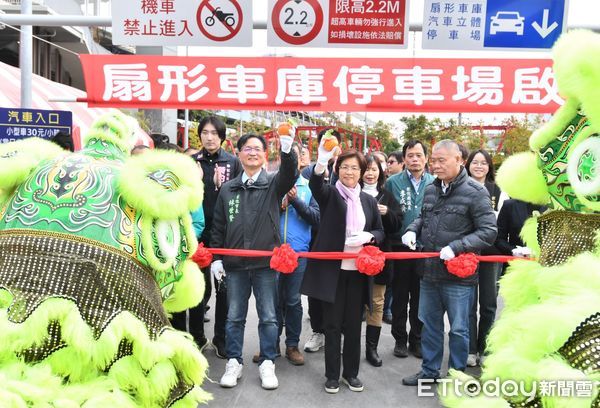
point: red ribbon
(333, 256)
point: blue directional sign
(17, 124)
(493, 24)
(525, 24)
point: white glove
(359, 239)
(522, 252)
(286, 143)
(410, 240)
(324, 155)
(217, 270)
(447, 253)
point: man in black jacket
(218, 167)
(247, 217)
(456, 217)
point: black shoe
(219, 347)
(353, 383)
(400, 350)
(332, 386)
(201, 343)
(413, 380)
(415, 350)
(371, 342)
(387, 318)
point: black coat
(247, 217)
(462, 218)
(321, 276)
(392, 223)
(230, 167)
(510, 222)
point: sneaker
(233, 372)
(219, 347)
(482, 359)
(267, 375)
(353, 383)
(413, 380)
(332, 386)
(315, 342)
(294, 355)
(472, 360)
(400, 350)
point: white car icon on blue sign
(507, 22)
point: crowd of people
(409, 201)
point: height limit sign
(338, 23)
(296, 22)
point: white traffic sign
(183, 22)
(338, 23)
(493, 24)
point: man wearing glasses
(395, 163)
(247, 217)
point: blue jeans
(437, 298)
(239, 285)
(290, 304)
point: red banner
(322, 84)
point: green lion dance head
(95, 249)
(547, 339)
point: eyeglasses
(250, 149)
(209, 132)
(392, 161)
(353, 169)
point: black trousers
(344, 316)
(315, 312)
(405, 291)
(486, 298)
(196, 319)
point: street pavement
(303, 386)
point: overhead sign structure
(183, 22)
(338, 23)
(493, 24)
(321, 84)
(17, 124)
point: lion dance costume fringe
(93, 255)
(549, 330)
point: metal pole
(365, 145)
(26, 57)
(186, 131)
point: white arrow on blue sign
(493, 24)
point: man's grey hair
(447, 144)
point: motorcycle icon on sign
(225, 18)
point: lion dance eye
(582, 169)
(169, 239)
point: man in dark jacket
(218, 167)
(247, 217)
(456, 217)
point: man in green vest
(408, 188)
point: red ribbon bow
(370, 260)
(464, 265)
(284, 259)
